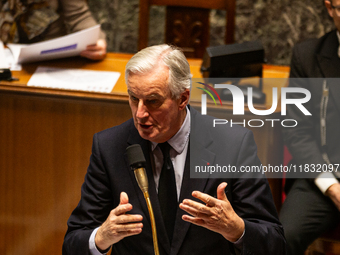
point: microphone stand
(143, 184)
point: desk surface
(113, 62)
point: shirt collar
(180, 139)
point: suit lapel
(136, 139)
(334, 91)
(327, 56)
(330, 67)
(329, 64)
(163, 240)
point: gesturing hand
(118, 224)
(217, 214)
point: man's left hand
(216, 215)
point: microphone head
(135, 156)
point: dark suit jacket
(315, 58)
(109, 174)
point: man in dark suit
(313, 203)
(232, 215)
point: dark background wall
(278, 24)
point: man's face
(332, 12)
(156, 115)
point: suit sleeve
(94, 207)
(253, 202)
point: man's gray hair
(149, 58)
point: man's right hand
(118, 224)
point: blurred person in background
(312, 206)
(31, 21)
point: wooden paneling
(46, 145)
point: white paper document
(3, 60)
(10, 59)
(65, 46)
(74, 79)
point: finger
(196, 206)
(195, 209)
(93, 47)
(209, 200)
(128, 218)
(102, 44)
(128, 227)
(193, 220)
(130, 232)
(124, 199)
(121, 209)
(221, 191)
(94, 55)
(118, 235)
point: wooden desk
(46, 137)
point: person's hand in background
(95, 51)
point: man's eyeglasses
(336, 8)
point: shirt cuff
(238, 244)
(92, 244)
(324, 181)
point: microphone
(137, 162)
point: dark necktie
(167, 191)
